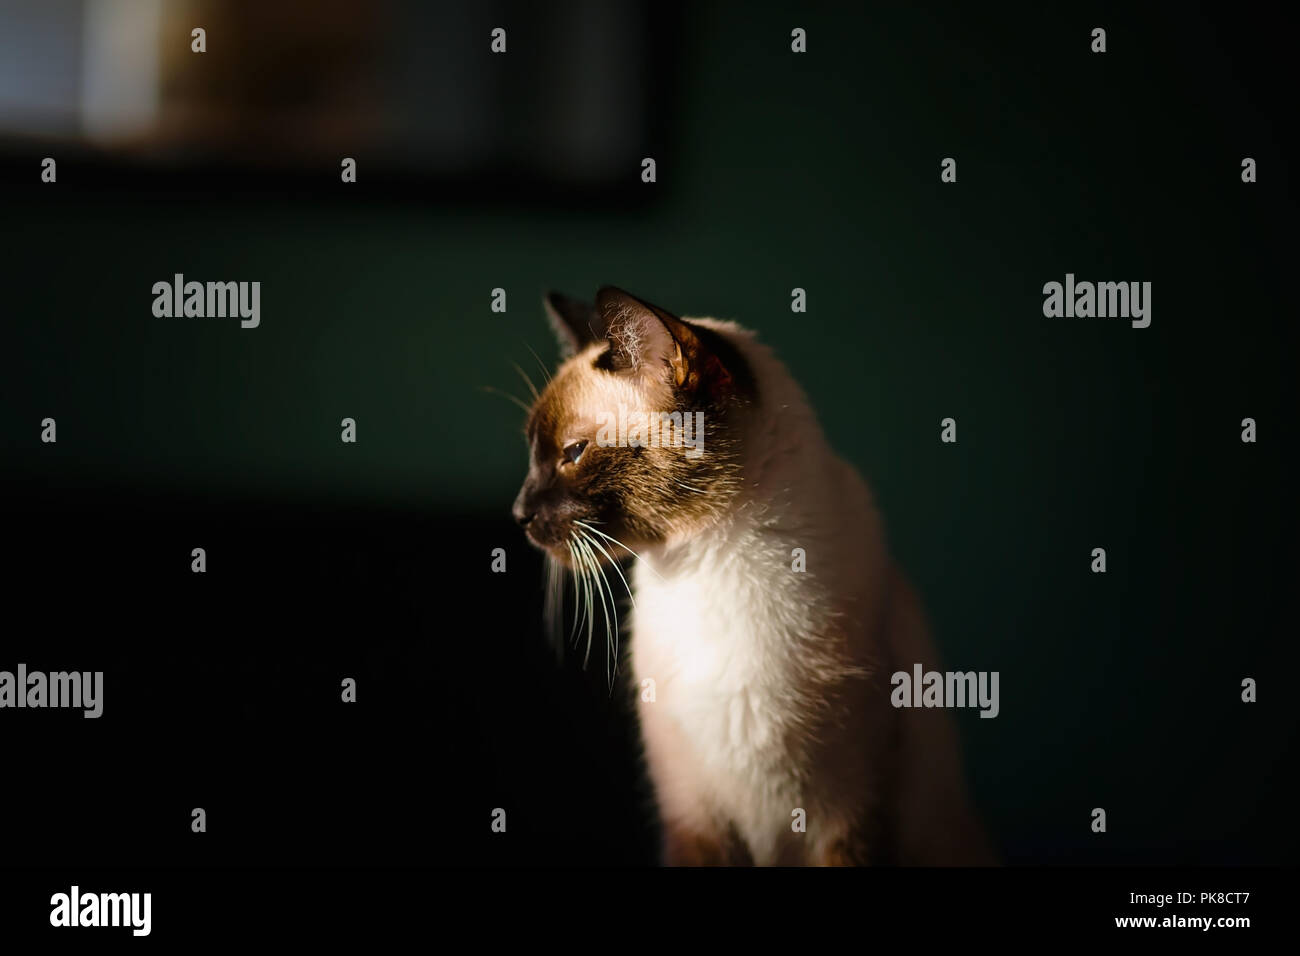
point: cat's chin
(600, 551)
(557, 551)
(576, 544)
(561, 556)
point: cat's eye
(573, 451)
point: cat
(763, 694)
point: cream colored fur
(770, 686)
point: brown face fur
(632, 356)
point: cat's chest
(718, 647)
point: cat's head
(635, 439)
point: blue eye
(573, 451)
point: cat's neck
(790, 477)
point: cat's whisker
(527, 381)
(603, 578)
(506, 395)
(577, 593)
(612, 634)
(603, 589)
(540, 363)
(589, 614)
(612, 540)
(627, 587)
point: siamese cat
(766, 615)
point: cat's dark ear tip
(564, 305)
(612, 297)
(573, 320)
(557, 304)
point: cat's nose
(523, 510)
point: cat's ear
(641, 337)
(646, 339)
(576, 323)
